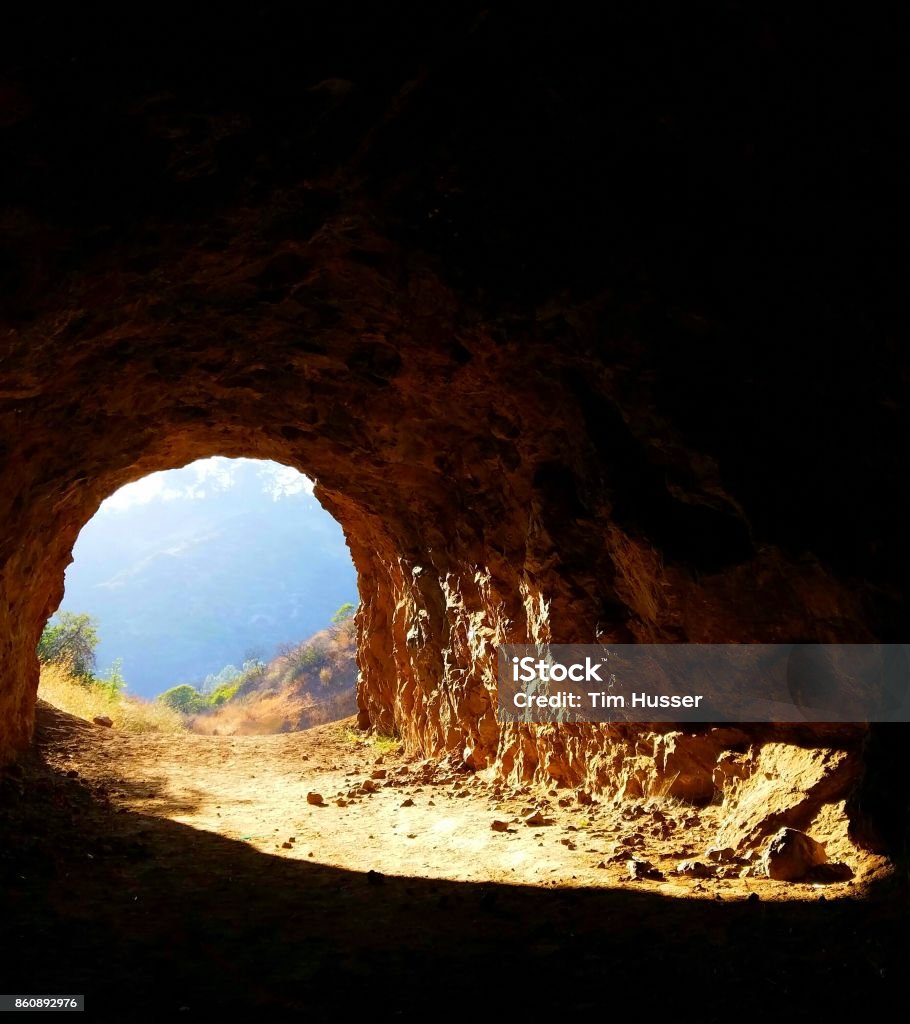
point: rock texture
(574, 344)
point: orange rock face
(535, 372)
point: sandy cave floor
(387, 813)
(194, 871)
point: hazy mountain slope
(203, 574)
(310, 684)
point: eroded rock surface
(572, 349)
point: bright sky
(207, 476)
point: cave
(587, 330)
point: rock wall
(574, 344)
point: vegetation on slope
(307, 684)
(72, 693)
(218, 569)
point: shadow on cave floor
(137, 911)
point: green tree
(184, 698)
(113, 682)
(215, 680)
(220, 687)
(73, 640)
(254, 673)
(346, 611)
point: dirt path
(193, 872)
(398, 816)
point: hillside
(193, 569)
(307, 684)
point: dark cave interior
(586, 325)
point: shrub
(113, 683)
(185, 699)
(222, 695)
(307, 657)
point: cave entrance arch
(375, 472)
(223, 563)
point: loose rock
(642, 869)
(694, 869)
(791, 855)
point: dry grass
(263, 714)
(131, 714)
(377, 741)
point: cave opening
(222, 590)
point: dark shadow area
(151, 919)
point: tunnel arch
(79, 470)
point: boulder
(790, 856)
